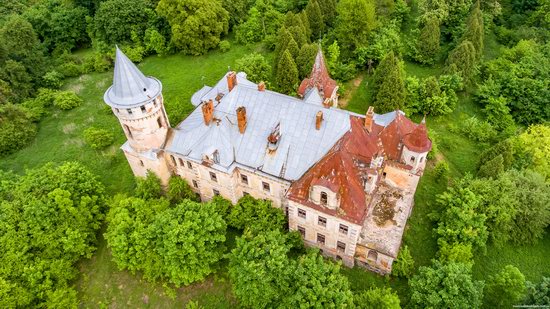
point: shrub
(53, 79)
(16, 128)
(179, 190)
(67, 100)
(255, 66)
(477, 130)
(441, 170)
(224, 46)
(148, 187)
(404, 265)
(256, 214)
(70, 69)
(98, 138)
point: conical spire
(130, 86)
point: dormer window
(412, 159)
(324, 198)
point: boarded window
(322, 221)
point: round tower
(137, 102)
(416, 146)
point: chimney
(261, 86)
(231, 80)
(208, 111)
(241, 119)
(369, 119)
(318, 120)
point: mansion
(345, 181)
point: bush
(441, 170)
(404, 265)
(179, 190)
(477, 130)
(53, 79)
(70, 69)
(148, 187)
(67, 100)
(256, 214)
(16, 128)
(255, 66)
(98, 138)
(224, 46)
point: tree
(533, 149)
(404, 264)
(318, 284)
(356, 19)
(474, 30)
(538, 294)
(60, 27)
(462, 60)
(50, 217)
(256, 214)
(283, 39)
(263, 23)
(287, 74)
(179, 190)
(237, 10)
(389, 84)
(98, 138)
(305, 59)
(505, 289)
(492, 168)
(18, 79)
(16, 128)
(260, 270)
(255, 66)
(117, 20)
(445, 286)
(315, 18)
(328, 10)
(148, 187)
(427, 45)
(375, 298)
(196, 25)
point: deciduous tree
(375, 298)
(505, 289)
(356, 19)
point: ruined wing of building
(346, 181)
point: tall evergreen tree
(428, 43)
(474, 30)
(293, 48)
(462, 60)
(356, 19)
(305, 22)
(315, 18)
(305, 59)
(287, 74)
(389, 84)
(299, 35)
(283, 38)
(328, 9)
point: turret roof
(130, 87)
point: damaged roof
(319, 78)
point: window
(412, 159)
(159, 122)
(265, 185)
(127, 128)
(213, 177)
(155, 102)
(320, 239)
(189, 165)
(341, 247)
(343, 229)
(216, 192)
(195, 184)
(301, 213)
(384, 175)
(302, 231)
(373, 255)
(245, 193)
(244, 179)
(421, 159)
(129, 110)
(180, 161)
(173, 159)
(117, 110)
(141, 163)
(324, 198)
(143, 109)
(322, 221)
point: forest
(78, 230)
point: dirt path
(355, 83)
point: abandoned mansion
(346, 181)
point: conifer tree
(287, 74)
(283, 38)
(462, 60)
(305, 59)
(389, 84)
(299, 35)
(305, 22)
(428, 42)
(356, 19)
(328, 10)
(293, 48)
(492, 168)
(315, 18)
(474, 30)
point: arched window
(324, 198)
(159, 122)
(412, 159)
(373, 255)
(127, 129)
(421, 159)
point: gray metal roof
(130, 87)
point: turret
(137, 102)
(416, 146)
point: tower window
(324, 198)
(244, 179)
(143, 109)
(127, 128)
(421, 159)
(129, 110)
(189, 165)
(180, 161)
(412, 159)
(159, 122)
(173, 160)
(117, 110)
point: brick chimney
(318, 120)
(261, 86)
(369, 119)
(231, 80)
(208, 111)
(241, 119)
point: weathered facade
(346, 181)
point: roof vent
(274, 138)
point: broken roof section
(319, 78)
(130, 87)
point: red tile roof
(343, 168)
(318, 78)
